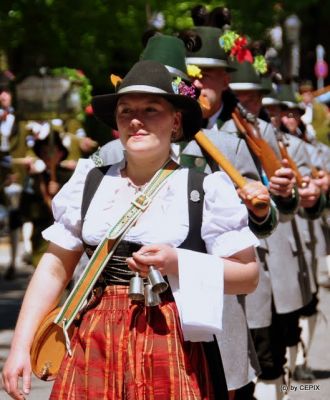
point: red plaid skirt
(124, 350)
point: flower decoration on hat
(115, 80)
(180, 87)
(194, 71)
(236, 46)
(260, 64)
(240, 51)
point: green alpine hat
(270, 98)
(288, 99)
(245, 77)
(169, 51)
(210, 54)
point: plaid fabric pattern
(124, 350)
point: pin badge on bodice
(195, 196)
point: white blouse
(166, 220)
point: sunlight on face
(250, 99)
(212, 84)
(146, 122)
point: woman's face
(146, 123)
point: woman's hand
(17, 365)
(162, 256)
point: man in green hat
(317, 229)
(214, 77)
(214, 71)
(249, 89)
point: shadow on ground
(321, 374)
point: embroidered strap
(107, 246)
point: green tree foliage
(104, 36)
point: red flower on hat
(240, 51)
(235, 45)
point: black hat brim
(104, 107)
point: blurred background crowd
(55, 55)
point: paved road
(11, 294)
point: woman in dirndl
(124, 348)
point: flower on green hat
(194, 71)
(236, 45)
(260, 64)
(180, 87)
(227, 40)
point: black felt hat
(150, 77)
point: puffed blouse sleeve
(225, 219)
(66, 206)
